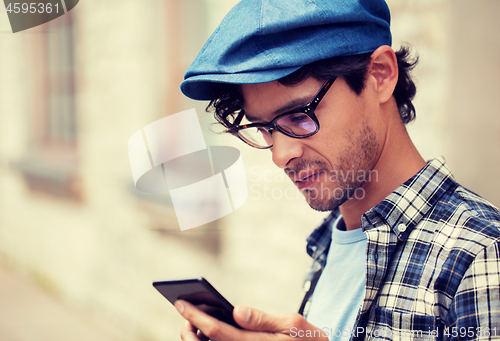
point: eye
(297, 118)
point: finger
(256, 320)
(201, 336)
(189, 333)
(189, 330)
(208, 325)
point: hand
(258, 326)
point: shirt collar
(401, 210)
(319, 240)
(410, 202)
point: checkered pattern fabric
(433, 270)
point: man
(406, 252)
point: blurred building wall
(475, 118)
(88, 237)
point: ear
(384, 72)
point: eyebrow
(296, 103)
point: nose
(285, 149)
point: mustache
(304, 165)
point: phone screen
(200, 293)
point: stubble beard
(347, 177)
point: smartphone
(200, 293)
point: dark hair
(227, 100)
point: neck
(399, 160)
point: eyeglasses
(297, 123)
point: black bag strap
(309, 291)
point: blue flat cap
(261, 41)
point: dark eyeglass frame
(307, 109)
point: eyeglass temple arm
(239, 118)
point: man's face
(332, 165)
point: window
(50, 163)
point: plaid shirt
(433, 269)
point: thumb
(256, 320)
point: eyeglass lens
(295, 125)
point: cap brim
(198, 87)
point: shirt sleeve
(475, 310)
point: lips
(306, 179)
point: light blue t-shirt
(340, 289)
